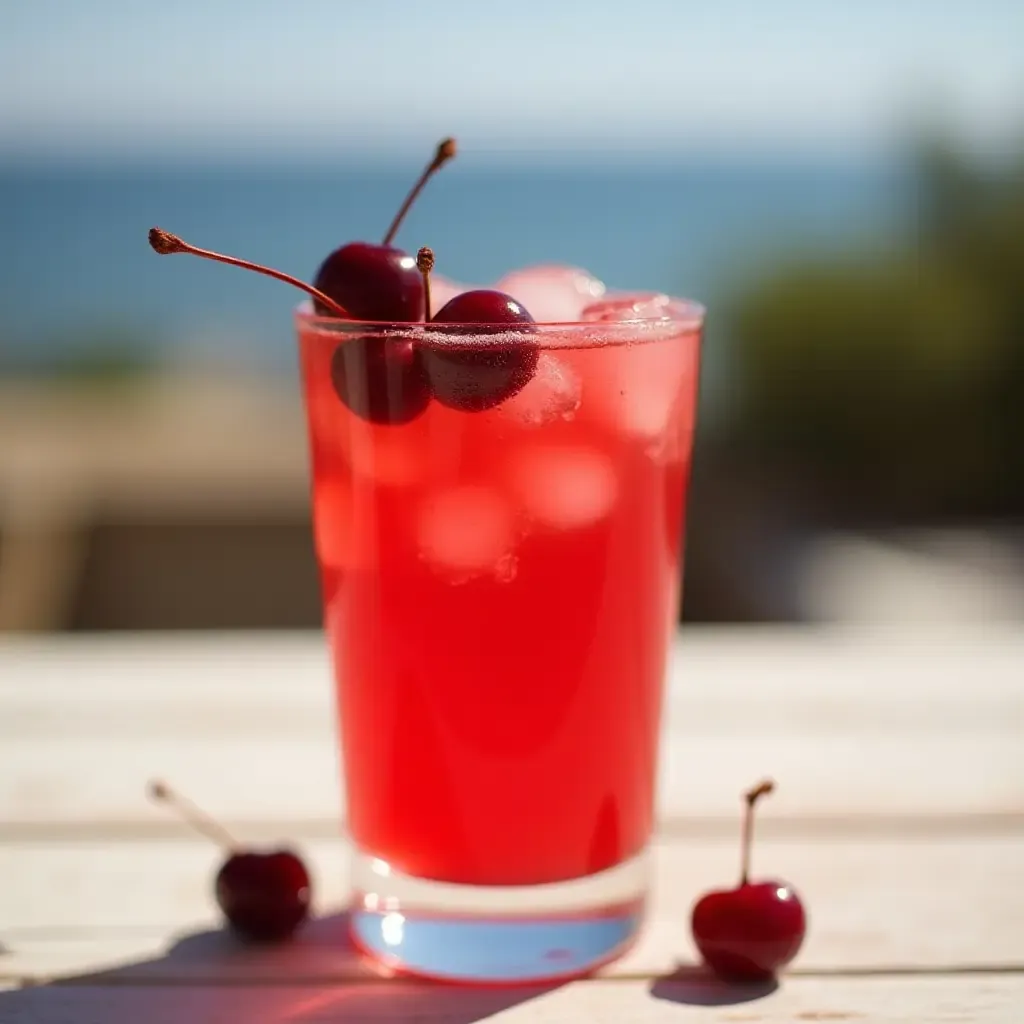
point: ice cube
(637, 388)
(333, 523)
(625, 306)
(327, 418)
(467, 531)
(553, 393)
(640, 387)
(552, 294)
(386, 455)
(564, 486)
(675, 445)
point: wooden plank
(863, 725)
(879, 904)
(972, 1000)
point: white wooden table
(899, 816)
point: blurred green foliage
(893, 381)
(107, 354)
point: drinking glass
(501, 584)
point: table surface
(899, 815)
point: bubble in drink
(467, 531)
(564, 487)
(552, 294)
(553, 393)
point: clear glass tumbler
(499, 524)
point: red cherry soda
(500, 589)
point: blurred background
(842, 184)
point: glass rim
(678, 316)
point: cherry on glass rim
(482, 373)
(381, 282)
(381, 379)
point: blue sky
(655, 76)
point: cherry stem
(165, 243)
(445, 151)
(751, 797)
(161, 793)
(425, 264)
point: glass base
(496, 934)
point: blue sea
(75, 267)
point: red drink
(500, 588)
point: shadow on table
(211, 978)
(697, 986)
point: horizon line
(576, 157)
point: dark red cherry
(373, 282)
(264, 896)
(380, 380)
(482, 307)
(379, 282)
(750, 932)
(482, 373)
(383, 380)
